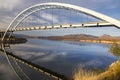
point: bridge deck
(79, 25)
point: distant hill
(108, 37)
(77, 37)
(73, 37)
(14, 39)
(85, 38)
(105, 36)
(81, 36)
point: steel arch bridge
(25, 13)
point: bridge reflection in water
(13, 27)
(17, 69)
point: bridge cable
(39, 18)
(52, 17)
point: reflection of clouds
(30, 45)
(36, 52)
(101, 63)
(5, 71)
(94, 62)
(53, 56)
(28, 55)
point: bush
(112, 73)
(115, 50)
(82, 74)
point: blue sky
(10, 8)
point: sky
(10, 8)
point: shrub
(82, 74)
(115, 50)
(112, 73)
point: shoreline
(88, 40)
(100, 41)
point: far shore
(106, 39)
(88, 40)
(101, 41)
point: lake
(65, 57)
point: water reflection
(65, 56)
(5, 71)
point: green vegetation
(112, 73)
(115, 50)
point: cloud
(39, 18)
(4, 21)
(50, 17)
(33, 21)
(9, 11)
(9, 4)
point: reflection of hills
(20, 35)
(85, 38)
(14, 39)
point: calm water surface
(65, 56)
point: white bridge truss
(25, 13)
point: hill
(86, 38)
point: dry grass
(81, 74)
(112, 73)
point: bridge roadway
(80, 25)
(36, 67)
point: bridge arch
(22, 15)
